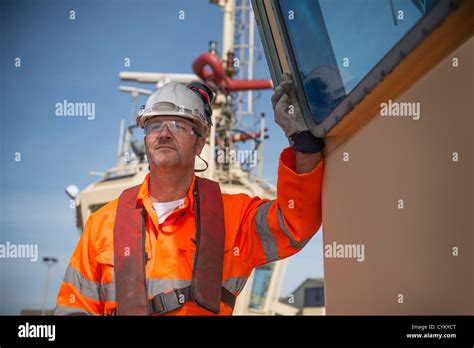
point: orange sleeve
(80, 292)
(275, 229)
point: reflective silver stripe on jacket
(66, 310)
(293, 242)
(156, 286)
(266, 236)
(234, 284)
(86, 287)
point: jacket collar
(144, 193)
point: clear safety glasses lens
(173, 126)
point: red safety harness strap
(129, 255)
(206, 283)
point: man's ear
(201, 141)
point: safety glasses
(155, 127)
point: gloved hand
(289, 117)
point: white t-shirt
(166, 208)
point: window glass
(337, 42)
(314, 297)
(261, 281)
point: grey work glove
(289, 117)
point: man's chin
(161, 161)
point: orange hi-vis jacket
(258, 231)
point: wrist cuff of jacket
(306, 142)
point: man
(175, 245)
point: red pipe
(242, 85)
(216, 74)
(217, 70)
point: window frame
(271, 26)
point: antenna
(244, 38)
(125, 137)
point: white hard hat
(176, 99)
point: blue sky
(80, 61)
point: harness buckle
(165, 302)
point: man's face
(167, 149)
